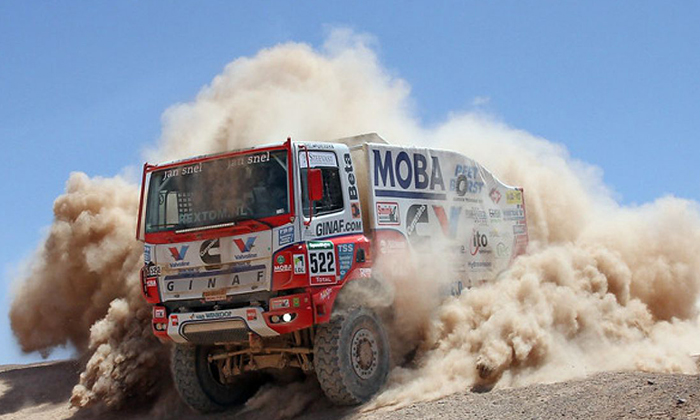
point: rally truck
(248, 253)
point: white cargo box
(414, 194)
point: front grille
(228, 331)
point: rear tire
(197, 381)
(351, 356)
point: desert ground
(41, 391)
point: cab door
(338, 212)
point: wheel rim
(212, 370)
(365, 353)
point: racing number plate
(322, 264)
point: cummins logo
(209, 252)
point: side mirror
(315, 182)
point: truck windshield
(250, 186)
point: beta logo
(245, 246)
(179, 254)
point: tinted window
(249, 186)
(332, 200)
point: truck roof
(352, 142)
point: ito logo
(245, 246)
(179, 255)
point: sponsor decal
(331, 227)
(209, 252)
(352, 188)
(325, 294)
(513, 214)
(215, 286)
(322, 264)
(158, 312)
(146, 254)
(281, 259)
(365, 273)
(480, 265)
(467, 180)
(279, 304)
(285, 235)
(494, 233)
(416, 214)
(153, 270)
(416, 175)
(355, 210)
(477, 215)
(251, 314)
(248, 160)
(215, 295)
(346, 253)
(185, 170)
(211, 315)
(494, 213)
(299, 264)
(388, 213)
(296, 302)
(178, 254)
(151, 283)
(205, 216)
(495, 195)
(389, 246)
(456, 288)
(502, 250)
(514, 197)
(319, 146)
(245, 246)
(317, 159)
(282, 268)
(519, 229)
(478, 243)
(174, 321)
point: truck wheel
(197, 381)
(351, 356)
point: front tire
(197, 381)
(351, 356)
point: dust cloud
(602, 286)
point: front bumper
(229, 325)
(286, 314)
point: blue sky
(83, 84)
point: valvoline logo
(245, 246)
(179, 254)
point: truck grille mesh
(216, 332)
